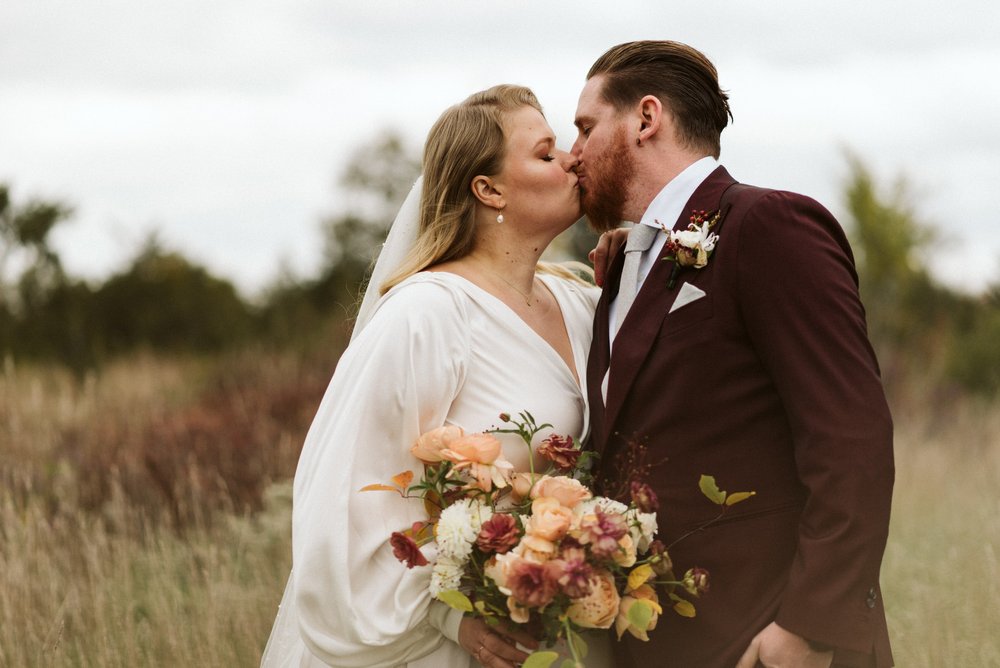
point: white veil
(285, 646)
(402, 235)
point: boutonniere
(691, 247)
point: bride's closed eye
(549, 158)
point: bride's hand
(607, 247)
(493, 647)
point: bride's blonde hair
(468, 140)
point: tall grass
(101, 564)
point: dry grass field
(144, 515)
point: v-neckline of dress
(574, 371)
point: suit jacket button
(872, 597)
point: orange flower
(568, 491)
(481, 455)
(549, 519)
(429, 446)
(625, 556)
(521, 484)
(477, 448)
(535, 548)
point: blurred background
(191, 194)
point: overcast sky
(225, 124)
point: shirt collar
(669, 203)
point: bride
(460, 323)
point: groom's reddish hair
(683, 79)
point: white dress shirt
(666, 208)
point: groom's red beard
(607, 180)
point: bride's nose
(568, 161)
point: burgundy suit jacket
(768, 383)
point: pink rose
(567, 491)
(429, 446)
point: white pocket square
(687, 294)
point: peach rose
(428, 447)
(625, 557)
(549, 519)
(521, 484)
(568, 491)
(644, 595)
(597, 610)
(481, 455)
(472, 448)
(535, 548)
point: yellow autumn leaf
(736, 497)
(403, 479)
(684, 608)
(379, 488)
(639, 576)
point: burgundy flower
(660, 560)
(560, 450)
(532, 584)
(498, 534)
(696, 581)
(602, 532)
(644, 497)
(406, 550)
(576, 576)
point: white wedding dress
(438, 350)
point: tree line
(924, 332)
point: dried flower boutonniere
(693, 246)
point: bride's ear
(484, 188)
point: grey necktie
(640, 238)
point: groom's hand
(774, 647)
(601, 256)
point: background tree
(24, 242)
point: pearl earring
(499, 217)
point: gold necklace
(526, 297)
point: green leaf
(578, 644)
(568, 663)
(540, 660)
(736, 497)
(456, 599)
(639, 614)
(711, 490)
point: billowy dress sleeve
(357, 605)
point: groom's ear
(484, 188)
(650, 111)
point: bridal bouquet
(537, 548)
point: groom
(754, 368)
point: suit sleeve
(799, 299)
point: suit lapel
(643, 323)
(597, 363)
